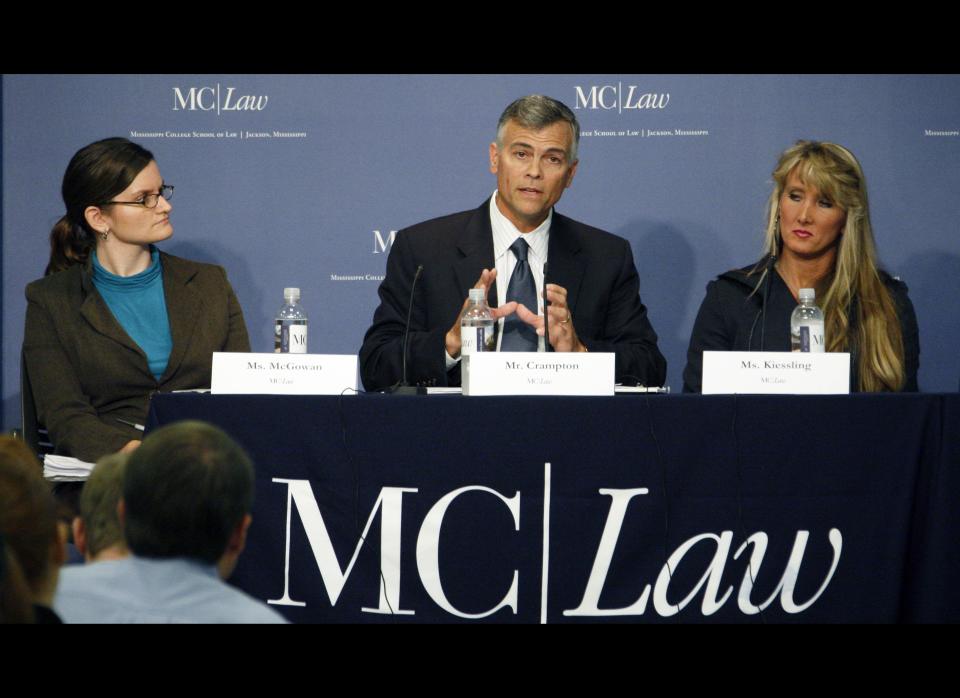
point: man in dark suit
(592, 287)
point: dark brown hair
(186, 489)
(96, 174)
(28, 511)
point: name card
(775, 373)
(538, 373)
(283, 374)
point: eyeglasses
(148, 200)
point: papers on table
(65, 469)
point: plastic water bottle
(476, 325)
(290, 330)
(806, 324)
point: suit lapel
(476, 249)
(565, 267)
(184, 309)
(96, 312)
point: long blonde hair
(856, 282)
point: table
(633, 508)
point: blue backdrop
(299, 180)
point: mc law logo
(324, 574)
(383, 241)
(216, 98)
(620, 97)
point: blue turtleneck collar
(107, 280)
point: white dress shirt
(504, 235)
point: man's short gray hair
(537, 112)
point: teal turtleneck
(138, 304)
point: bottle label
(811, 338)
(473, 339)
(296, 339)
(290, 338)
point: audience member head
(187, 492)
(28, 521)
(97, 532)
(16, 601)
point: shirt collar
(505, 232)
(105, 279)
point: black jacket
(595, 267)
(731, 319)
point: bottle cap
(807, 294)
(476, 295)
(291, 294)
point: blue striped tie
(518, 335)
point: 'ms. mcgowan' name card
(283, 374)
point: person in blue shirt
(185, 513)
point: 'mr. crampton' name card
(525, 373)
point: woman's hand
(130, 446)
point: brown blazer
(87, 373)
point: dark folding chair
(36, 437)
(33, 433)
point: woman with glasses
(818, 236)
(115, 320)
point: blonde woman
(818, 236)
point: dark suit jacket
(85, 370)
(595, 267)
